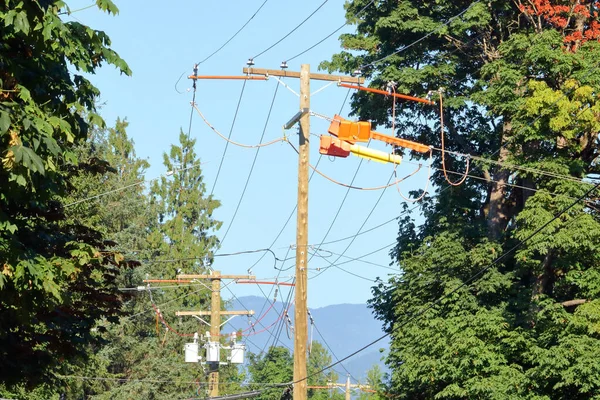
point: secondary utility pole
(301, 308)
(215, 320)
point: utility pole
(348, 387)
(215, 320)
(301, 310)
(303, 116)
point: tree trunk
(497, 217)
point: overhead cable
(235, 34)
(237, 109)
(290, 32)
(237, 208)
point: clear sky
(162, 40)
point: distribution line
(290, 32)
(468, 282)
(228, 140)
(374, 188)
(330, 349)
(296, 205)
(359, 259)
(439, 28)
(169, 173)
(268, 297)
(237, 208)
(359, 229)
(229, 137)
(508, 165)
(331, 34)
(235, 34)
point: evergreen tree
(519, 84)
(178, 236)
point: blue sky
(161, 41)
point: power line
(331, 34)
(402, 49)
(290, 32)
(167, 174)
(237, 108)
(235, 34)
(330, 349)
(362, 226)
(252, 166)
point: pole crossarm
(229, 77)
(205, 276)
(296, 74)
(200, 313)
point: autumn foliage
(578, 20)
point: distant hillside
(345, 327)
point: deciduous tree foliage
(55, 280)
(519, 83)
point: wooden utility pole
(301, 308)
(215, 319)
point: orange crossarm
(267, 283)
(397, 95)
(235, 77)
(421, 148)
(167, 281)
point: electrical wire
(331, 350)
(247, 146)
(169, 173)
(383, 187)
(290, 32)
(237, 208)
(237, 108)
(331, 34)
(296, 205)
(359, 229)
(235, 34)
(404, 48)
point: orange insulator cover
(355, 131)
(350, 131)
(331, 146)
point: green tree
(519, 82)
(276, 366)
(178, 234)
(56, 282)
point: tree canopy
(518, 81)
(56, 280)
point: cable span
(169, 173)
(400, 50)
(290, 32)
(247, 146)
(237, 208)
(229, 137)
(331, 34)
(235, 34)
